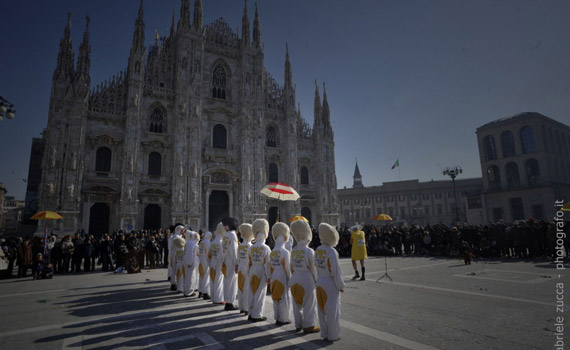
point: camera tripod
(386, 273)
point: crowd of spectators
(521, 239)
(129, 252)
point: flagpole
(399, 175)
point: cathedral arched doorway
(152, 216)
(306, 212)
(272, 216)
(99, 219)
(218, 208)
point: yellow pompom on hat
(280, 229)
(301, 230)
(260, 226)
(246, 231)
(328, 234)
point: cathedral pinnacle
(138, 36)
(317, 120)
(256, 29)
(83, 60)
(245, 26)
(198, 16)
(65, 57)
(288, 73)
(184, 21)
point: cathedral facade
(189, 132)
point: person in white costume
(171, 258)
(215, 255)
(230, 263)
(329, 282)
(279, 267)
(243, 266)
(258, 257)
(204, 267)
(191, 262)
(303, 279)
(178, 244)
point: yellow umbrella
(383, 217)
(46, 215)
(566, 207)
(298, 217)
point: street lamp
(6, 109)
(453, 172)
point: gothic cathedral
(189, 132)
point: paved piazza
(432, 304)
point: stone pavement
(433, 303)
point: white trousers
(304, 299)
(329, 310)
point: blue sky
(407, 80)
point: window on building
(273, 173)
(512, 174)
(103, 160)
(545, 138)
(413, 197)
(154, 164)
(426, 210)
(517, 209)
(402, 212)
(304, 175)
(494, 178)
(157, 122)
(219, 137)
(497, 214)
(219, 82)
(527, 140)
(538, 212)
(425, 196)
(474, 203)
(439, 209)
(508, 143)
(401, 198)
(271, 137)
(449, 194)
(489, 148)
(532, 170)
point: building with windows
(525, 162)
(189, 132)
(412, 201)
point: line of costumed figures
(237, 274)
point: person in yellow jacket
(358, 243)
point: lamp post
(453, 172)
(6, 109)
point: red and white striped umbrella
(280, 191)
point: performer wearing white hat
(178, 244)
(204, 267)
(230, 263)
(329, 282)
(191, 262)
(258, 256)
(279, 265)
(303, 279)
(172, 258)
(216, 257)
(243, 266)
